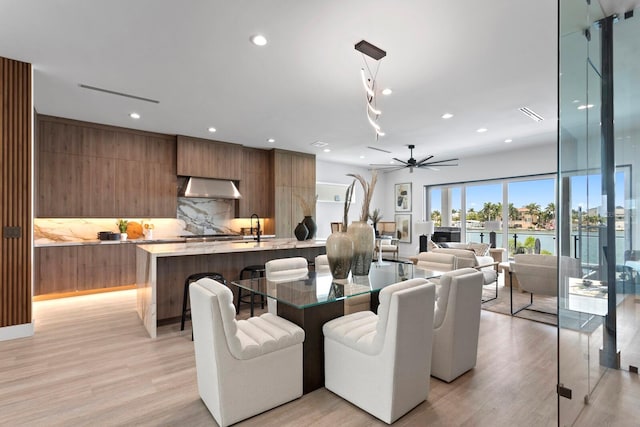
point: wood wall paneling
(15, 192)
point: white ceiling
(480, 61)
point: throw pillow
(480, 249)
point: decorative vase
(311, 226)
(123, 236)
(301, 231)
(339, 254)
(363, 245)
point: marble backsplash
(194, 216)
(205, 216)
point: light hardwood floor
(92, 363)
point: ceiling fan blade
(401, 161)
(386, 165)
(425, 159)
(385, 170)
(442, 161)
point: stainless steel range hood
(209, 188)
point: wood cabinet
(90, 170)
(61, 269)
(256, 184)
(294, 177)
(209, 159)
(56, 269)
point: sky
(542, 192)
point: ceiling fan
(412, 163)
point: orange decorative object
(134, 230)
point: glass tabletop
(322, 288)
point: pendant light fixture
(369, 82)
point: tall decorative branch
(368, 193)
(347, 204)
(306, 205)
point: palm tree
(533, 209)
(513, 212)
(436, 217)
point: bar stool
(254, 271)
(185, 297)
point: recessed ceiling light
(583, 107)
(327, 150)
(258, 40)
(387, 91)
(134, 116)
(482, 130)
(271, 140)
(447, 115)
(508, 140)
(362, 157)
(212, 129)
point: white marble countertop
(49, 243)
(203, 248)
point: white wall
(516, 162)
(327, 212)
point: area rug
(501, 304)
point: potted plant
(122, 226)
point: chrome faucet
(257, 227)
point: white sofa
(456, 323)
(469, 256)
(243, 367)
(381, 363)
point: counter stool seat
(253, 271)
(186, 311)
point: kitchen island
(161, 269)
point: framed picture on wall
(403, 197)
(403, 228)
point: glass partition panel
(598, 132)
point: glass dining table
(312, 301)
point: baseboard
(16, 331)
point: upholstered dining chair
(381, 363)
(321, 263)
(456, 323)
(281, 270)
(243, 367)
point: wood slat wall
(15, 192)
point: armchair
(381, 363)
(237, 360)
(385, 245)
(538, 274)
